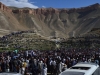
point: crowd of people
(52, 62)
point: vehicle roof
(92, 68)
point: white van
(82, 69)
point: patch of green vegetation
(23, 41)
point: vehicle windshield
(80, 67)
(72, 73)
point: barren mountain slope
(48, 22)
(8, 23)
(61, 24)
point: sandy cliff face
(8, 22)
(48, 22)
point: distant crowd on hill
(52, 62)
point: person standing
(44, 69)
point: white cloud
(19, 3)
(43, 7)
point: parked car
(82, 68)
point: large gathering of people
(47, 62)
(51, 62)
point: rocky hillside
(50, 22)
(25, 40)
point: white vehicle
(10, 73)
(82, 69)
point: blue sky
(49, 3)
(64, 3)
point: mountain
(50, 22)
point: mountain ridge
(50, 22)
